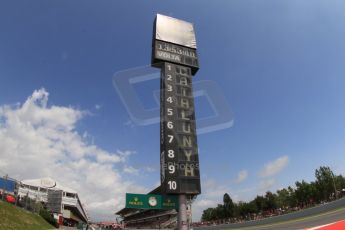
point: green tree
(226, 198)
(228, 205)
(48, 217)
(339, 182)
(208, 214)
(245, 209)
(283, 198)
(292, 197)
(306, 193)
(270, 200)
(220, 212)
(325, 182)
(260, 203)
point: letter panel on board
(179, 132)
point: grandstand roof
(131, 211)
(48, 182)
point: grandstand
(149, 218)
(61, 200)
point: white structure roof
(48, 182)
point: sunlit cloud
(274, 167)
(242, 176)
(39, 140)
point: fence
(9, 187)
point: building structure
(60, 200)
(150, 218)
(7, 185)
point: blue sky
(279, 65)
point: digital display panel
(180, 172)
(174, 41)
(163, 51)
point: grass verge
(15, 218)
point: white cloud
(98, 107)
(212, 191)
(266, 185)
(38, 140)
(149, 169)
(129, 123)
(200, 205)
(212, 194)
(242, 175)
(131, 170)
(274, 167)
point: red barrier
(10, 199)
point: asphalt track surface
(301, 223)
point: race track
(298, 223)
(304, 223)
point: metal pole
(182, 213)
(26, 200)
(191, 213)
(335, 189)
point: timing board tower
(174, 51)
